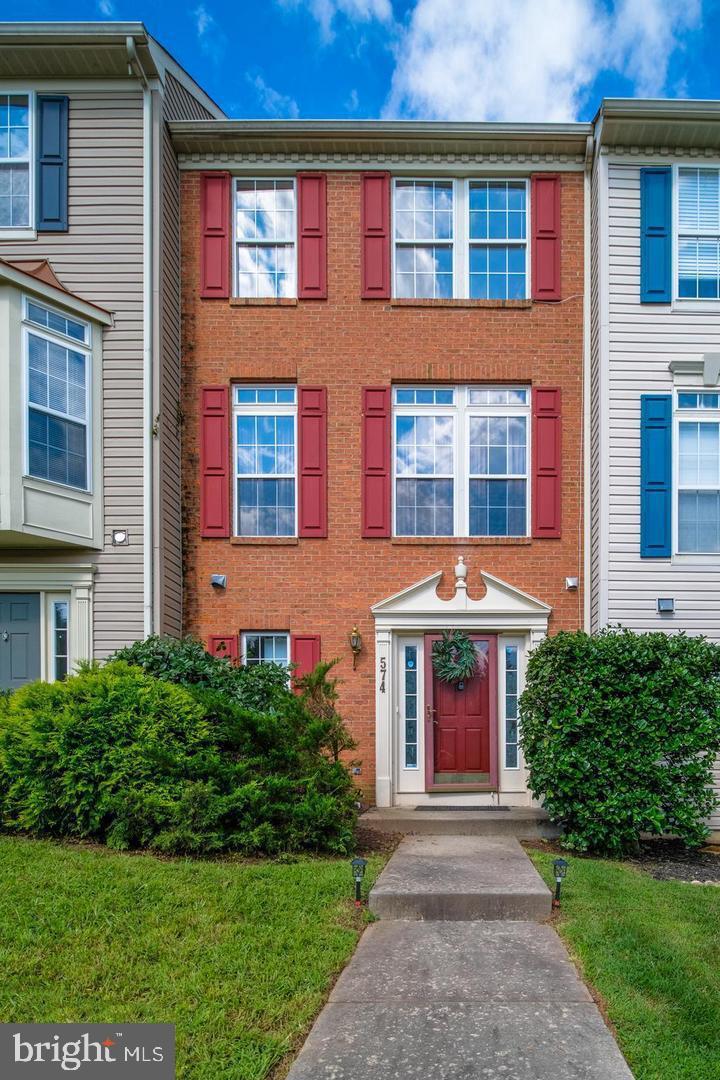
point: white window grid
(411, 703)
(26, 159)
(701, 415)
(60, 631)
(507, 746)
(269, 409)
(55, 336)
(460, 242)
(462, 411)
(269, 645)
(706, 233)
(289, 244)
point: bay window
(461, 461)
(265, 425)
(460, 239)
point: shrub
(116, 755)
(185, 661)
(620, 732)
(320, 697)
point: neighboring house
(383, 356)
(90, 531)
(654, 491)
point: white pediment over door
(501, 605)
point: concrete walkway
(463, 985)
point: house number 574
(383, 670)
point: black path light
(560, 869)
(358, 871)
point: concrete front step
(525, 823)
(460, 878)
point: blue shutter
(51, 183)
(655, 476)
(656, 236)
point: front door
(19, 639)
(461, 735)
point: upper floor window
(265, 238)
(461, 461)
(461, 239)
(265, 422)
(698, 228)
(698, 473)
(57, 352)
(15, 151)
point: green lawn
(240, 956)
(652, 951)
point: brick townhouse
(383, 409)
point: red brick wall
(326, 586)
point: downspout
(135, 67)
(586, 387)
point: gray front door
(19, 639)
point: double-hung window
(698, 472)
(462, 239)
(698, 228)
(265, 422)
(263, 648)
(461, 461)
(15, 157)
(57, 374)
(265, 238)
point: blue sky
(431, 59)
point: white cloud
(525, 60)
(106, 8)
(210, 38)
(272, 101)
(325, 12)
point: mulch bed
(665, 860)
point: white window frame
(461, 242)
(269, 409)
(700, 302)
(53, 600)
(85, 347)
(693, 416)
(503, 644)
(462, 411)
(261, 634)
(237, 242)
(24, 232)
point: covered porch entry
(452, 744)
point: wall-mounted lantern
(355, 639)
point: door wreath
(455, 658)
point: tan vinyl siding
(100, 258)
(169, 593)
(180, 103)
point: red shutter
(545, 213)
(546, 451)
(223, 645)
(312, 236)
(312, 460)
(215, 235)
(214, 461)
(305, 652)
(375, 227)
(376, 452)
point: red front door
(461, 722)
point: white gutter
(148, 567)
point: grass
(651, 949)
(239, 955)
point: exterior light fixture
(218, 581)
(358, 872)
(560, 869)
(355, 639)
(666, 605)
(120, 537)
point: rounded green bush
(116, 755)
(620, 732)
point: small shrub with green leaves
(620, 732)
(116, 755)
(320, 696)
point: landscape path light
(358, 871)
(560, 869)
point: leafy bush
(320, 697)
(116, 755)
(185, 661)
(620, 732)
